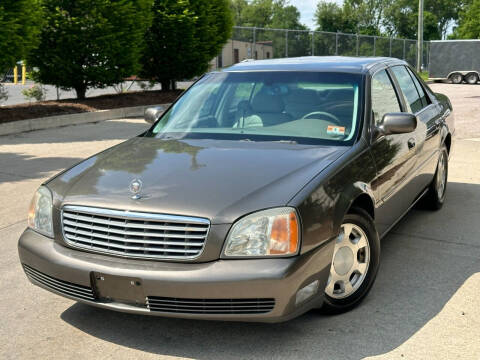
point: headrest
(303, 96)
(341, 95)
(265, 102)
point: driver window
(384, 97)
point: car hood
(216, 179)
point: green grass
(424, 75)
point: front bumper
(69, 272)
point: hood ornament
(135, 188)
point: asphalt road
(15, 95)
(424, 304)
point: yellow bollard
(15, 75)
(24, 73)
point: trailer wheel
(456, 78)
(471, 78)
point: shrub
(3, 94)
(36, 92)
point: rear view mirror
(153, 113)
(398, 123)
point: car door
(427, 135)
(394, 155)
(432, 116)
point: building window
(268, 54)
(256, 55)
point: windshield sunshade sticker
(335, 130)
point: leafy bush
(36, 92)
(146, 85)
(3, 94)
(90, 43)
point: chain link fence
(263, 43)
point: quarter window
(384, 97)
(409, 90)
(423, 97)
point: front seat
(269, 108)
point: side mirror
(153, 113)
(397, 123)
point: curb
(16, 127)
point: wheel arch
(448, 142)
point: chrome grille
(61, 286)
(210, 306)
(134, 234)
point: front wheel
(356, 259)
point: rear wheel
(435, 196)
(355, 263)
(456, 78)
(471, 78)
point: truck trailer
(455, 60)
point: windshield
(302, 107)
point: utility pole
(420, 36)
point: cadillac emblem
(135, 188)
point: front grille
(64, 287)
(134, 234)
(210, 306)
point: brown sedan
(261, 193)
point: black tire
(471, 78)
(456, 78)
(434, 199)
(362, 219)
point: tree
(331, 17)
(184, 36)
(401, 17)
(369, 15)
(469, 22)
(90, 43)
(20, 22)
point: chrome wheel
(471, 78)
(351, 258)
(441, 180)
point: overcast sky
(307, 9)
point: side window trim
(396, 89)
(403, 95)
(416, 83)
(401, 98)
(427, 92)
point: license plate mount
(122, 289)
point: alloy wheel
(351, 258)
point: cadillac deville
(261, 193)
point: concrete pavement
(424, 304)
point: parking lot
(424, 304)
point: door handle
(411, 143)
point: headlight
(40, 212)
(272, 232)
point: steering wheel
(330, 116)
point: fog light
(306, 292)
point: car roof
(358, 65)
